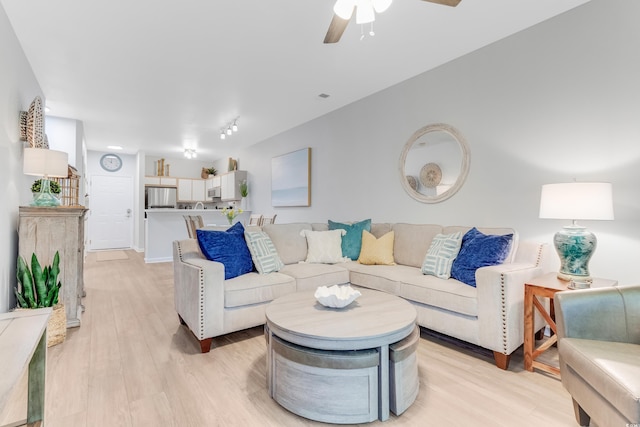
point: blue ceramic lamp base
(575, 246)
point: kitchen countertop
(165, 225)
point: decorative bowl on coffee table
(336, 296)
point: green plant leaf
(52, 296)
(55, 268)
(25, 281)
(39, 279)
(21, 302)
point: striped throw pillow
(263, 252)
(440, 256)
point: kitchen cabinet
(230, 185)
(160, 180)
(191, 190)
(198, 190)
(213, 182)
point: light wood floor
(132, 364)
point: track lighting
(229, 129)
(190, 153)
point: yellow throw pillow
(376, 251)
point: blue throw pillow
(352, 241)
(227, 247)
(479, 250)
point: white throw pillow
(263, 252)
(324, 247)
(441, 254)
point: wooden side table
(545, 287)
(23, 345)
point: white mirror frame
(464, 167)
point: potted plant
(39, 287)
(244, 192)
(231, 213)
(206, 172)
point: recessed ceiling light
(114, 147)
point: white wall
(555, 102)
(61, 134)
(18, 88)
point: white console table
(23, 342)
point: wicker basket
(69, 190)
(57, 325)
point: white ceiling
(160, 76)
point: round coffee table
(331, 364)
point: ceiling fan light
(364, 12)
(344, 8)
(381, 5)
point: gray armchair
(599, 347)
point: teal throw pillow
(227, 247)
(441, 254)
(263, 252)
(479, 250)
(352, 241)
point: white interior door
(110, 214)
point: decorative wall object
(439, 156)
(32, 125)
(291, 179)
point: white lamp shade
(577, 200)
(44, 162)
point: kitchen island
(163, 226)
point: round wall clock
(111, 162)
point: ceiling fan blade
(336, 28)
(452, 3)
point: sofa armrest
(501, 304)
(198, 290)
(602, 314)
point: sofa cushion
(449, 294)
(324, 247)
(263, 252)
(227, 247)
(290, 245)
(376, 251)
(352, 241)
(479, 250)
(254, 288)
(310, 276)
(498, 231)
(611, 368)
(443, 250)
(379, 229)
(412, 242)
(378, 277)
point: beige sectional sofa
(489, 315)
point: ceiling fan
(365, 13)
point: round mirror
(434, 163)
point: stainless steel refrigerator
(160, 197)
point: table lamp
(574, 243)
(45, 163)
